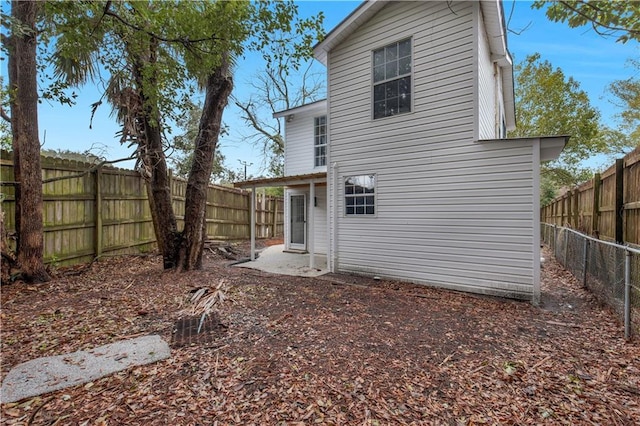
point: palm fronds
(203, 300)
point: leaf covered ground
(332, 350)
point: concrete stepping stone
(43, 375)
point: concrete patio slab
(275, 260)
(43, 375)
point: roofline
(497, 41)
(319, 177)
(346, 27)
(493, 10)
(320, 104)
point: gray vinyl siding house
(421, 184)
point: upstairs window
(320, 141)
(359, 195)
(392, 79)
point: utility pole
(245, 164)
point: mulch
(337, 349)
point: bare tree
(279, 86)
(26, 146)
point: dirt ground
(332, 350)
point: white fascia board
(317, 107)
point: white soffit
(552, 146)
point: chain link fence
(610, 271)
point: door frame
(292, 245)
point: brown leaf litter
(337, 350)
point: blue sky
(590, 59)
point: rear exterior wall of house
(449, 211)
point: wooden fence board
(107, 211)
(599, 212)
(632, 197)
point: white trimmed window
(392, 79)
(320, 141)
(359, 195)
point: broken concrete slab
(43, 375)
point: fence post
(585, 262)
(252, 226)
(576, 209)
(555, 240)
(627, 295)
(570, 209)
(595, 211)
(566, 248)
(275, 216)
(619, 203)
(97, 249)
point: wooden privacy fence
(106, 210)
(607, 206)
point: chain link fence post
(585, 262)
(610, 271)
(627, 295)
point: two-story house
(404, 171)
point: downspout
(496, 102)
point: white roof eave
(317, 106)
(550, 146)
(347, 27)
(497, 35)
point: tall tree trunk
(218, 88)
(26, 146)
(158, 185)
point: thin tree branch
(520, 31)
(182, 40)
(89, 170)
(4, 39)
(106, 9)
(253, 119)
(595, 21)
(4, 115)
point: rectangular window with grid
(320, 141)
(392, 79)
(359, 195)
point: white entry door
(298, 206)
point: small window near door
(359, 195)
(320, 141)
